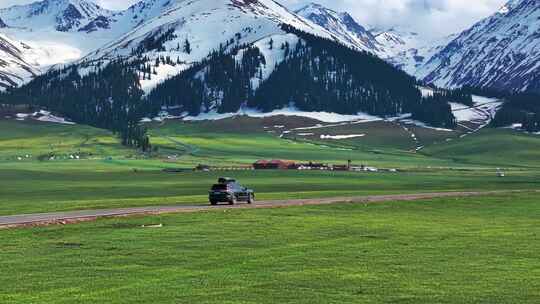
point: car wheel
(213, 203)
(233, 201)
(251, 199)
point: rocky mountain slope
(55, 31)
(61, 15)
(72, 29)
(342, 25)
(501, 52)
(15, 68)
(403, 48)
(186, 32)
(201, 56)
(407, 49)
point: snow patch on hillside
(162, 73)
(351, 136)
(326, 117)
(270, 48)
(422, 125)
(426, 92)
(482, 112)
(44, 116)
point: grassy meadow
(46, 191)
(108, 175)
(500, 147)
(452, 250)
(41, 140)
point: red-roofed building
(275, 164)
(261, 165)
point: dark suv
(227, 190)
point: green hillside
(43, 140)
(493, 147)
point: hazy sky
(435, 17)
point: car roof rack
(226, 180)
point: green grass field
(223, 142)
(214, 143)
(506, 148)
(468, 250)
(35, 191)
(105, 175)
(34, 140)
(452, 250)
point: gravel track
(70, 217)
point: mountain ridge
(62, 15)
(500, 52)
(342, 24)
(81, 31)
(14, 69)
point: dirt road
(29, 220)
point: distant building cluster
(275, 164)
(278, 164)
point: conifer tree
(187, 46)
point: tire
(213, 203)
(233, 201)
(251, 199)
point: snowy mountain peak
(342, 25)
(326, 17)
(517, 5)
(390, 38)
(351, 23)
(14, 66)
(314, 8)
(62, 15)
(510, 5)
(500, 52)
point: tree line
(520, 108)
(435, 111)
(108, 97)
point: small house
(261, 165)
(282, 164)
(275, 164)
(340, 168)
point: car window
(219, 187)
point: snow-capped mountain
(407, 49)
(73, 29)
(67, 30)
(342, 25)
(57, 31)
(501, 52)
(206, 25)
(61, 15)
(204, 56)
(14, 67)
(63, 31)
(403, 48)
(396, 41)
